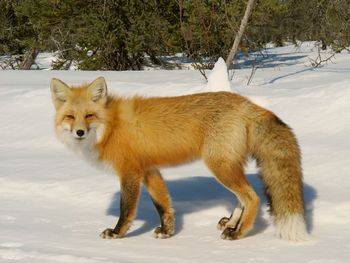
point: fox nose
(80, 133)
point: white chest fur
(86, 148)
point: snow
(218, 79)
(53, 205)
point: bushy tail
(277, 152)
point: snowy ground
(53, 205)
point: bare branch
(254, 68)
(29, 59)
(200, 68)
(319, 61)
(244, 22)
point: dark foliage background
(131, 34)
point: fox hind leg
(158, 191)
(231, 175)
(233, 220)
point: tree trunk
(231, 56)
(29, 58)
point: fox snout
(79, 134)
(76, 126)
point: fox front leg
(130, 191)
(158, 191)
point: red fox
(136, 136)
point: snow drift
(53, 205)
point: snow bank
(218, 77)
(53, 205)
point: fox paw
(161, 232)
(222, 223)
(110, 233)
(231, 233)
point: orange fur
(137, 135)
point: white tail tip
(292, 228)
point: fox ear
(60, 92)
(97, 90)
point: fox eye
(88, 116)
(69, 116)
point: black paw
(230, 233)
(110, 233)
(161, 232)
(222, 223)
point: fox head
(80, 111)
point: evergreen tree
(16, 33)
(122, 35)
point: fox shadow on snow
(193, 194)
